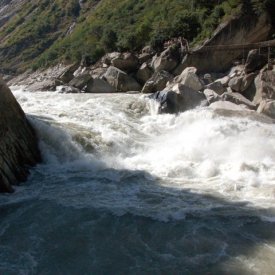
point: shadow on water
(127, 222)
(45, 236)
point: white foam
(233, 156)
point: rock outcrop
(243, 29)
(18, 143)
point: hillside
(42, 33)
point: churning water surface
(122, 190)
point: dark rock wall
(18, 142)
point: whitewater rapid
(113, 153)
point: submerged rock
(18, 142)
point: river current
(123, 190)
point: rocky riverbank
(181, 78)
(19, 145)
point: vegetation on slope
(38, 35)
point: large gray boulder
(18, 142)
(190, 79)
(144, 73)
(169, 102)
(238, 99)
(190, 98)
(99, 86)
(167, 60)
(81, 81)
(267, 107)
(157, 82)
(178, 98)
(211, 96)
(67, 73)
(126, 62)
(241, 83)
(264, 86)
(255, 61)
(217, 87)
(44, 85)
(120, 80)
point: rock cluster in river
(18, 142)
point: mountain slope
(45, 32)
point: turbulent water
(123, 190)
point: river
(123, 190)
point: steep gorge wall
(18, 142)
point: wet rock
(190, 98)
(157, 82)
(98, 85)
(121, 81)
(255, 61)
(67, 90)
(227, 105)
(169, 101)
(18, 142)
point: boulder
(67, 90)
(144, 57)
(264, 86)
(178, 98)
(167, 60)
(144, 73)
(44, 85)
(255, 61)
(18, 142)
(267, 107)
(217, 87)
(238, 99)
(121, 81)
(98, 85)
(82, 81)
(157, 82)
(190, 79)
(190, 98)
(169, 101)
(241, 83)
(224, 80)
(127, 62)
(107, 58)
(211, 96)
(80, 71)
(148, 50)
(227, 105)
(68, 73)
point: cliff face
(18, 143)
(241, 30)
